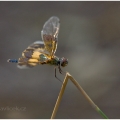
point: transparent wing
(50, 34)
(33, 55)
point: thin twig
(68, 76)
(59, 97)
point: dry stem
(68, 76)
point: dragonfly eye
(64, 62)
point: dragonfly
(43, 52)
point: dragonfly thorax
(58, 61)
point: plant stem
(59, 97)
(68, 76)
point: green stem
(101, 113)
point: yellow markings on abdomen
(33, 60)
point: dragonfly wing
(33, 55)
(25, 63)
(50, 34)
(34, 50)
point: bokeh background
(89, 37)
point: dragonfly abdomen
(12, 60)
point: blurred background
(89, 37)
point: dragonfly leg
(56, 76)
(60, 70)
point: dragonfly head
(63, 61)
